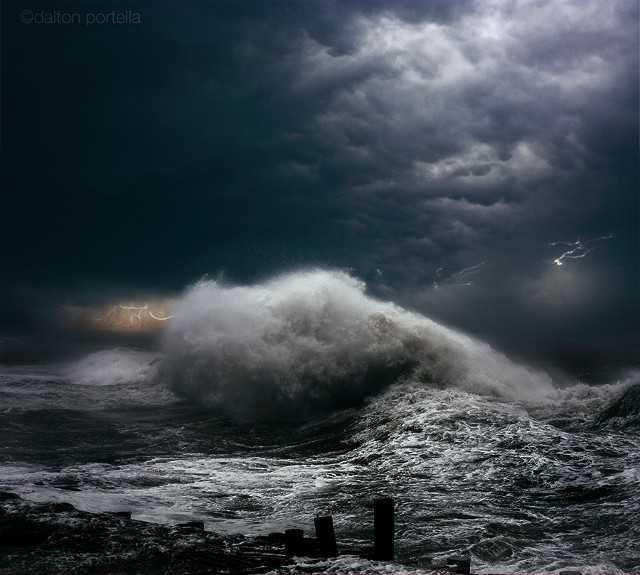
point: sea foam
(314, 340)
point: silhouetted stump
(294, 541)
(383, 527)
(326, 536)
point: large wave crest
(315, 340)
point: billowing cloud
(393, 139)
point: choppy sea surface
(251, 430)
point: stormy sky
(434, 148)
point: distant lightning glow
(578, 249)
(140, 310)
(124, 316)
(135, 315)
(159, 318)
(459, 278)
(468, 271)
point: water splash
(315, 340)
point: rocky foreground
(57, 538)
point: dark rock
(17, 530)
(460, 564)
(276, 538)
(191, 525)
(6, 496)
(492, 550)
(58, 507)
(35, 540)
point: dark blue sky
(404, 141)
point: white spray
(313, 340)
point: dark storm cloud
(485, 137)
(391, 138)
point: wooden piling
(293, 541)
(326, 535)
(383, 527)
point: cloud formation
(393, 139)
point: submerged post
(383, 526)
(326, 535)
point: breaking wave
(624, 410)
(314, 340)
(111, 367)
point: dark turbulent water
(526, 474)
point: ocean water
(267, 404)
